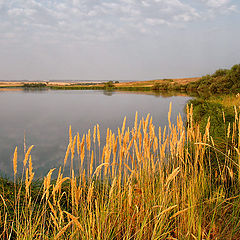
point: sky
(117, 39)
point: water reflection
(44, 116)
(108, 92)
(35, 89)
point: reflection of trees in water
(108, 92)
(35, 89)
(164, 94)
(202, 95)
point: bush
(34, 85)
(109, 84)
(167, 80)
(156, 87)
(222, 80)
(161, 86)
(220, 73)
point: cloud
(103, 20)
(217, 3)
(21, 12)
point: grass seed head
(15, 161)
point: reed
(142, 185)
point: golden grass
(145, 183)
(230, 100)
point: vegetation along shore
(181, 181)
(147, 183)
(222, 81)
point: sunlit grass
(227, 100)
(145, 183)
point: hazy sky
(117, 39)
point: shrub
(161, 86)
(156, 87)
(220, 73)
(109, 84)
(167, 80)
(34, 85)
(222, 80)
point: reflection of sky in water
(45, 117)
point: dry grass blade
(66, 155)
(166, 210)
(63, 230)
(27, 155)
(98, 169)
(15, 161)
(98, 135)
(59, 184)
(172, 176)
(3, 200)
(75, 220)
(169, 113)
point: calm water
(44, 117)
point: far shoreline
(223, 81)
(97, 85)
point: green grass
(146, 183)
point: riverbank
(147, 183)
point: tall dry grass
(145, 183)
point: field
(146, 183)
(86, 85)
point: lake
(44, 118)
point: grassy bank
(220, 108)
(147, 183)
(221, 111)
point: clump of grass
(229, 100)
(144, 183)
